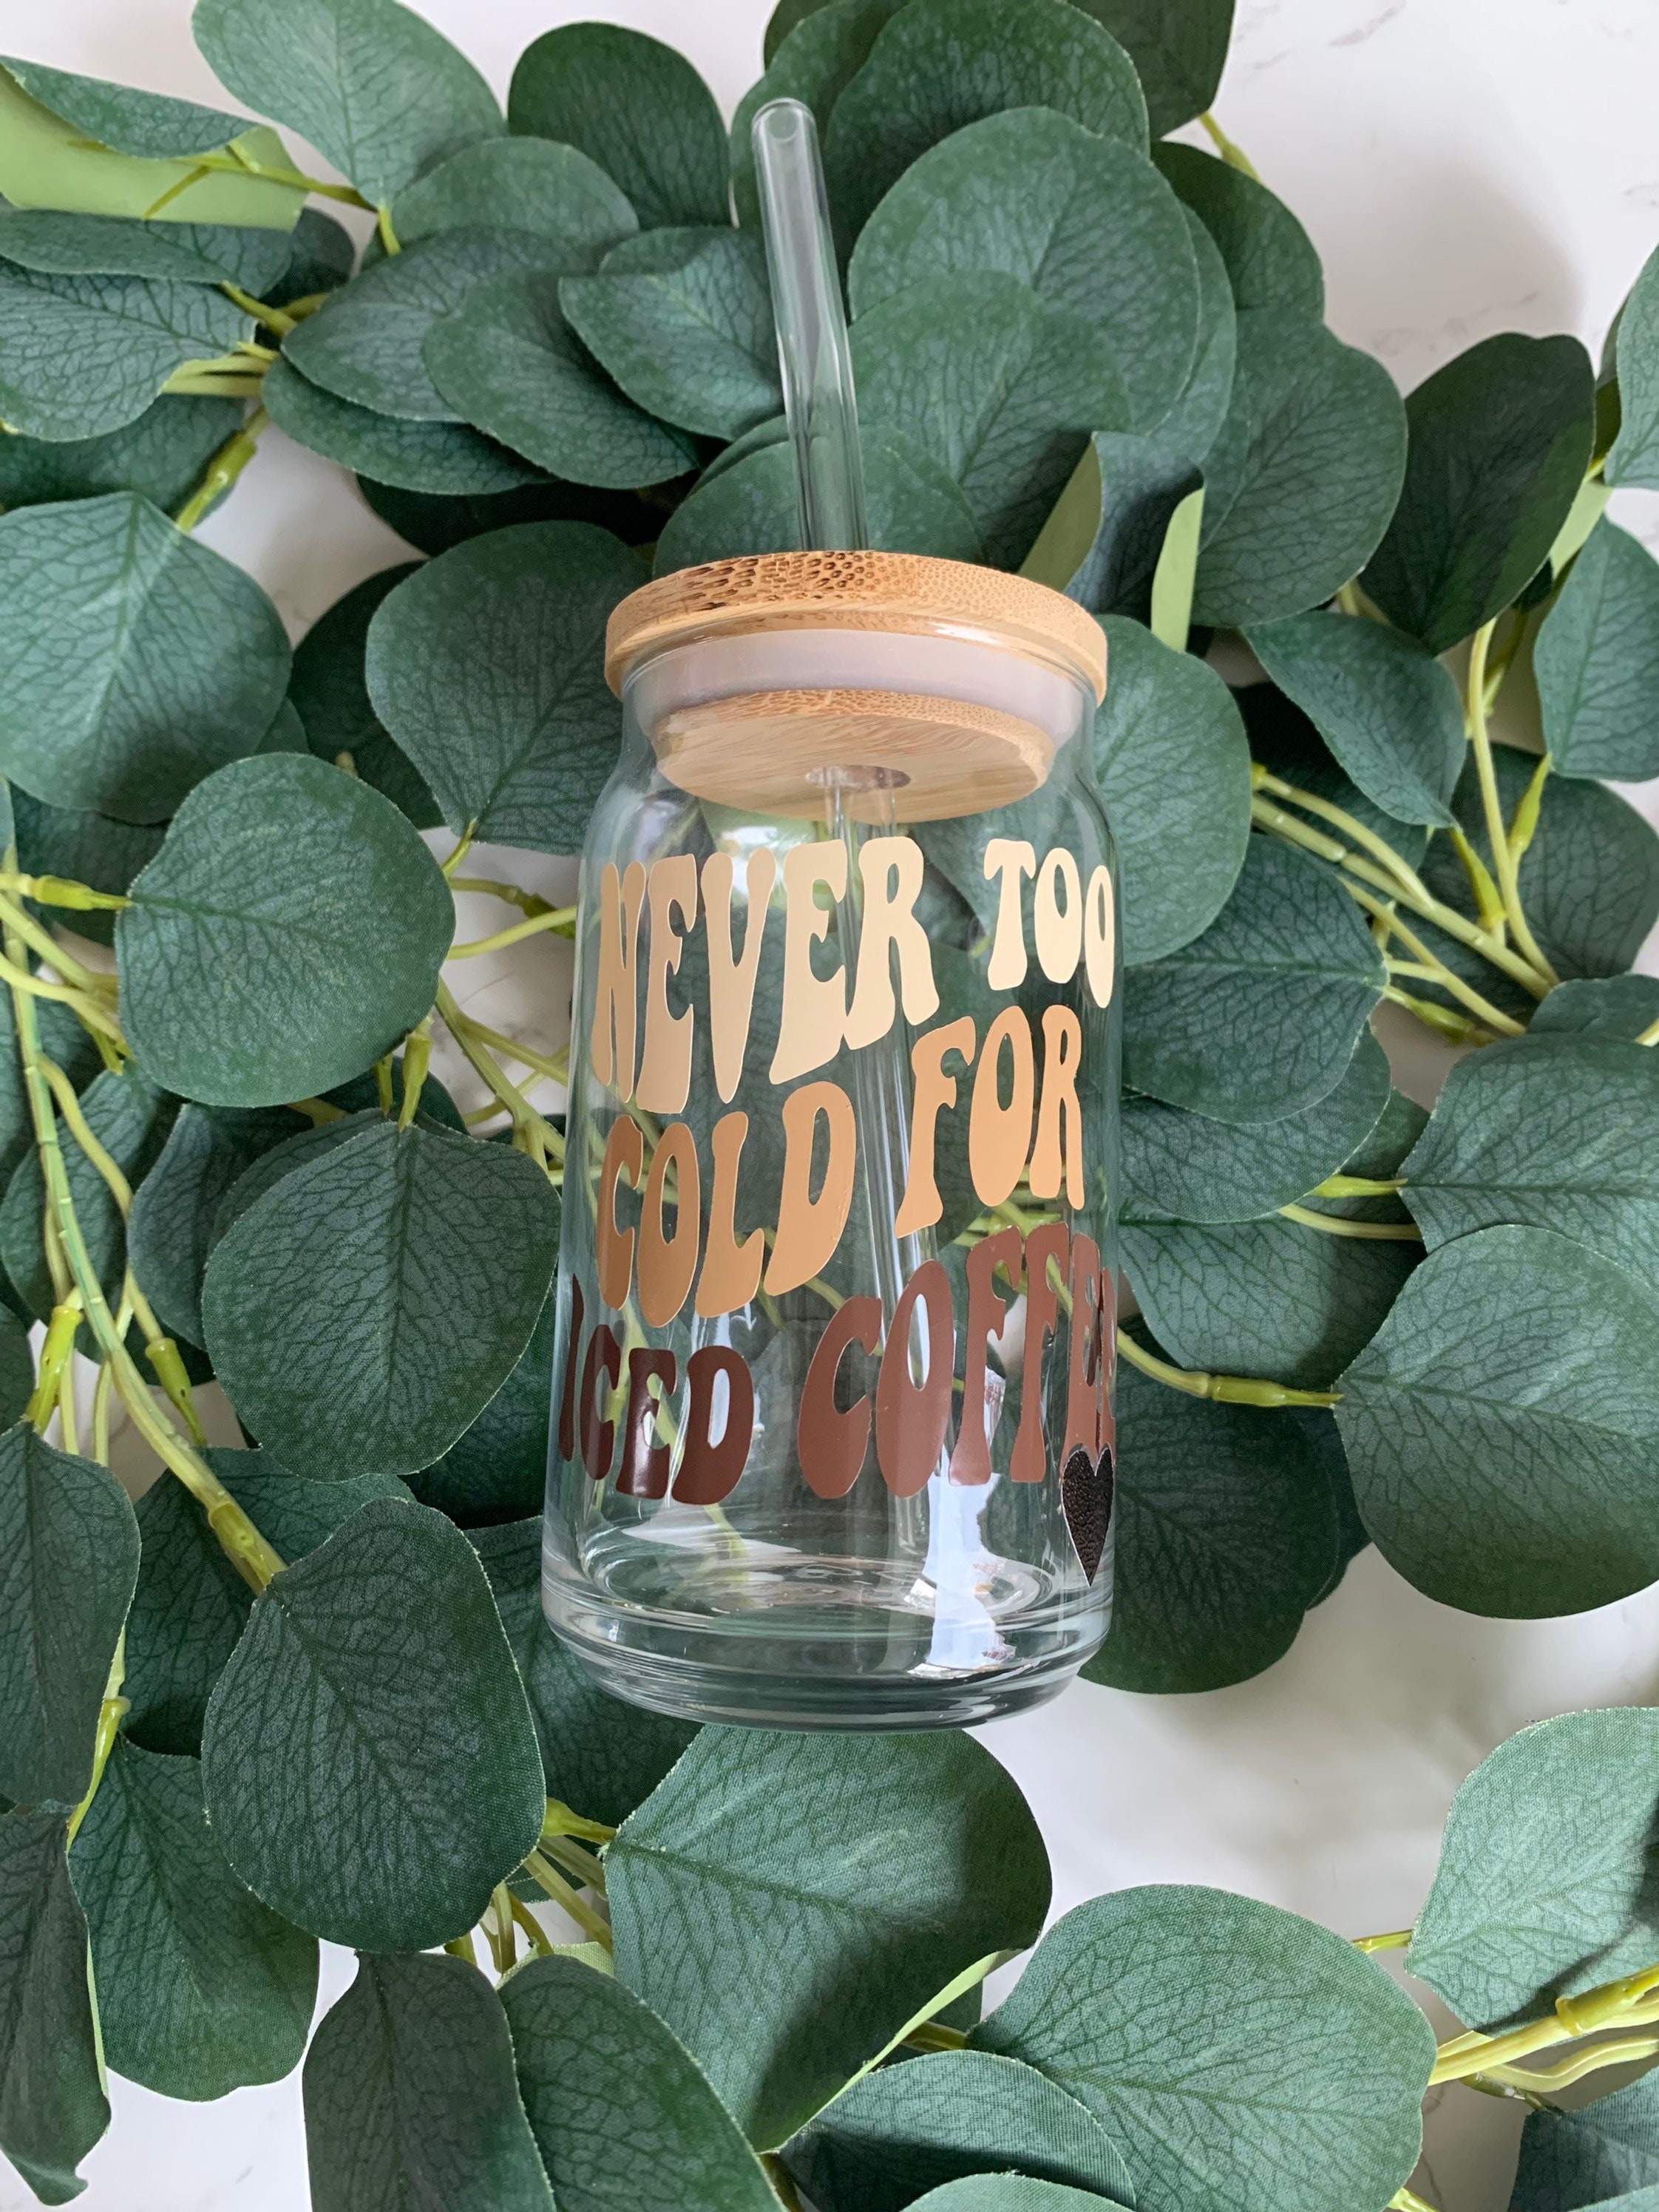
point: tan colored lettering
(999, 1136)
(624, 1153)
(891, 871)
(665, 1064)
(732, 981)
(1008, 860)
(616, 987)
(814, 1016)
(809, 1228)
(935, 1092)
(1059, 1117)
(730, 1271)
(668, 1263)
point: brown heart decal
(1086, 1491)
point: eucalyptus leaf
(384, 95)
(1303, 476)
(683, 320)
(1386, 707)
(201, 1988)
(812, 55)
(940, 64)
(1500, 1427)
(554, 192)
(145, 123)
(1596, 662)
(999, 387)
(741, 1854)
(1269, 259)
(160, 455)
(601, 1756)
(1612, 1005)
(135, 661)
(316, 896)
(1178, 53)
(53, 2105)
(328, 689)
(190, 1605)
(1544, 1889)
(1634, 459)
(912, 504)
(1195, 418)
(513, 367)
(169, 1231)
(1500, 438)
(1005, 2192)
(125, 334)
(85, 846)
(442, 458)
(363, 345)
(1084, 220)
(487, 667)
(496, 1469)
(70, 1545)
(620, 2109)
(370, 1765)
(1284, 740)
(1178, 1166)
(1105, 534)
(434, 521)
(634, 106)
(322, 256)
(410, 2100)
(363, 1312)
(16, 1364)
(102, 246)
(268, 1169)
(903, 2131)
(1606, 2154)
(1257, 1017)
(1173, 762)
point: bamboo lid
(854, 590)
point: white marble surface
(1463, 168)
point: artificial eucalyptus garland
(304, 1689)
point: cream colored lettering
(616, 987)
(814, 1017)
(1008, 862)
(891, 871)
(1100, 936)
(665, 1064)
(1057, 928)
(732, 981)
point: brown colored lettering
(665, 1064)
(809, 1228)
(1045, 1272)
(1060, 1118)
(1084, 1392)
(616, 987)
(911, 1417)
(667, 1264)
(970, 1463)
(829, 1443)
(644, 1469)
(599, 1435)
(709, 1471)
(999, 1136)
(935, 1092)
(731, 1272)
(732, 983)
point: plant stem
(222, 471)
(1233, 155)
(532, 1927)
(1404, 2201)
(383, 224)
(561, 919)
(1356, 831)
(928, 2035)
(1627, 2003)
(548, 1879)
(559, 1820)
(417, 1057)
(1436, 970)
(1338, 1225)
(1505, 859)
(1396, 1941)
(237, 163)
(1226, 1389)
(571, 1858)
(499, 1927)
(782, 2188)
(1347, 1186)
(61, 1331)
(557, 1069)
(527, 903)
(1545, 2081)
(1458, 1027)
(532, 1133)
(110, 1714)
(274, 318)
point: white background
(1464, 167)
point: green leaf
(328, 689)
(1596, 660)
(912, 506)
(908, 2129)
(169, 1231)
(523, 184)
(160, 455)
(364, 343)
(323, 256)
(1178, 1166)
(1555, 1131)
(131, 1118)
(434, 522)
(1248, 2061)
(331, 1308)
(201, 1988)
(941, 64)
(1194, 419)
(602, 1757)
(87, 848)
(636, 108)
(1500, 439)
(70, 1547)
(1303, 476)
(496, 1469)
(1500, 1427)
(1086, 221)
(1178, 53)
(375, 88)
(135, 661)
(190, 1605)
(370, 1765)
(1545, 1887)
(1634, 459)
(318, 896)
(102, 246)
(52, 2106)
(143, 123)
(1000, 388)
(16, 1364)
(126, 335)
(297, 1151)
(1174, 764)
(1005, 2192)
(622, 2113)
(487, 667)
(445, 458)
(812, 56)
(1614, 1005)
(509, 360)
(1225, 1534)
(1257, 1017)
(410, 2099)
(741, 1856)
(683, 320)
(1388, 709)
(1269, 259)
(1606, 2154)
(1105, 534)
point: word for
(1071, 926)
(1063, 1276)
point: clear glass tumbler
(832, 1429)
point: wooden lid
(854, 590)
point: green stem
(383, 225)
(1347, 1186)
(1232, 155)
(1504, 860)
(237, 163)
(1226, 1389)
(1448, 980)
(110, 1714)
(417, 1057)
(1355, 831)
(1396, 1941)
(928, 2035)
(222, 471)
(274, 318)
(61, 1331)
(1338, 1225)
(782, 2188)
(552, 1883)
(561, 920)
(531, 1132)
(509, 894)
(559, 1820)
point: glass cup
(832, 1429)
